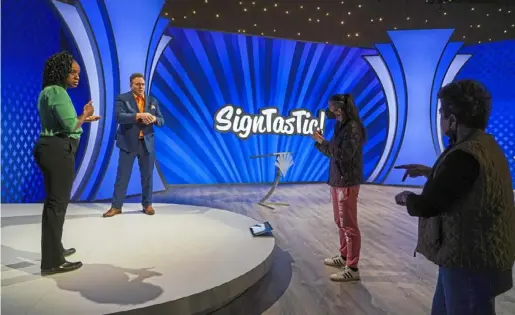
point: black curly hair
(469, 101)
(57, 69)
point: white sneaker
(336, 261)
(345, 275)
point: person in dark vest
(345, 151)
(466, 208)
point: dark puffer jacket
(346, 152)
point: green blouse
(57, 114)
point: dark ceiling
(349, 22)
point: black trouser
(55, 157)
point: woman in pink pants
(345, 150)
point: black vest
(478, 232)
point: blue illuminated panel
(79, 31)
(106, 38)
(31, 32)
(21, 83)
(194, 73)
(98, 27)
(417, 62)
(494, 65)
(132, 46)
(201, 71)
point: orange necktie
(141, 106)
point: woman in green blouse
(55, 155)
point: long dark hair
(57, 69)
(345, 102)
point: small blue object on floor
(261, 229)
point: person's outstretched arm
(453, 180)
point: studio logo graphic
(299, 122)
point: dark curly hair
(345, 102)
(469, 101)
(57, 69)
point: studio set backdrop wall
(227, 97)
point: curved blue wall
(494, 65)
(31, 32)
(197, 72)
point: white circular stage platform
(182, 260)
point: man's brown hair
(136, 75)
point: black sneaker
(66, 267)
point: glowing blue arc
(133, 46)
(109, 61)
(163, 42)
(456, 65)
(106, 61)
(377, 63)
(78, 30)
(419, 53)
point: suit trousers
(55, 156)
(126, 160)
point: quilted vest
(478, 231)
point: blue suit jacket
(126, 109)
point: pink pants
(345, 207)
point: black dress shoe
(67, 266)
(69, 251)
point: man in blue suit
(136, 114)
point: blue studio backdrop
(195, 74)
